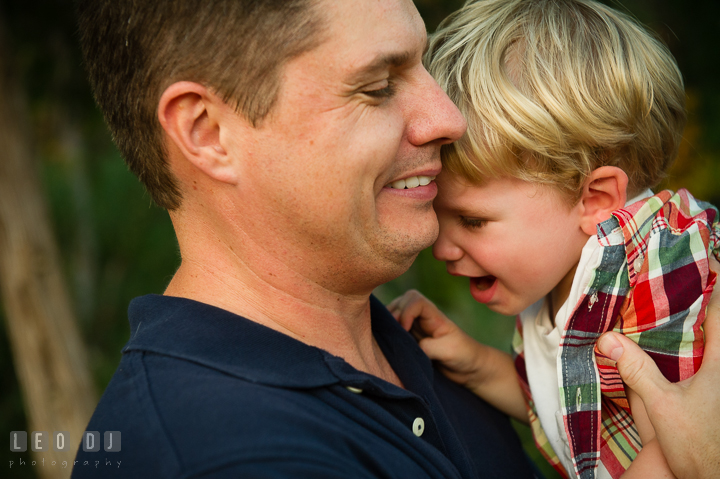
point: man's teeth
(412, 182)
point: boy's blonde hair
(553, 89)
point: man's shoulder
(128, 407)
(181, 419)
(177, 418)
(227, 397)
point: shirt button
(354, 390)
(418, 426)
(637, 265)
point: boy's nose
(445, 249)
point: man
(278, 134)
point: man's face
(354, 118)
(516, 241)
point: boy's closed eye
(472, 223)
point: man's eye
(472, 223)
(386, 92)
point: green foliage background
(116, 245)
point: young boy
(574, 112)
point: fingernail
(610, 346)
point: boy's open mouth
(483, 283)
(483, 288)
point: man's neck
(283, 300)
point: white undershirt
(541, 344)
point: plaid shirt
(652, 285)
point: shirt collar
(641, 196)
(219, 339)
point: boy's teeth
(412, 182)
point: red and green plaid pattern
(653, 285)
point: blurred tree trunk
(48, 352)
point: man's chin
(414, 232)
(406, 248)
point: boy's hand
(486, 371)
(413, 306)
(460, 356)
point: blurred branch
(48, 352)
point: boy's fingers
(412, 308)
(410, 311)
(417, 331)
(637, 369)
(423, 310)
(394, 303)
(405, 320)
(397, 305)
(433, 348)
(401, 302)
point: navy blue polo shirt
(201, 392)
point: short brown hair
(135, 49)
(553, 89)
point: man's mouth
(411, 182)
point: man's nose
(434, 117)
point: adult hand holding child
(693, 450)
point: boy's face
(516, 241)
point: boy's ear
(191, 117)
(604, 191)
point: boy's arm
(498, 383)
(486, 371)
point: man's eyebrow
(381, 63)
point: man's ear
(191, 117)
(604, 191)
